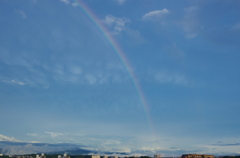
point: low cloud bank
(20, 148)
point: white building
(42, 156)
(95, 156)
(157, 156)
(64, 156)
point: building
(95, 156)
(113, 156)
(42, 156)
(64, 156)
(157, 156)
(105, 156)
(1, 154)
(196, 156)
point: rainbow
(115, 46)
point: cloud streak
(233, 144)
(54, 134)
(14, 82)
(155, 14)
(120, 2)
(162, 77)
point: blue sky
(62, 83)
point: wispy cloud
(75, 70)
(21, 13)
(236, 27)
(231, 144)
(120, 2)
(90, 79)
(54, 134)
(10, 139)
(190, 22)
(115, 23)
(135, 36)
(14, 82)
(190, 36)
(65, 1)
(112, 142)
(155, 14)
(163, 77)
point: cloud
(12, 148)
(65, 1)
(20, 83)
(175, 78)
(21, 13)
(75, 70)
(155, 14)
(91, 79)
(190, 21)
(75, 4)
(135, 36)
(115, 23)
(10, 139)
(14, 82)
(190, 36)
(120, 2)
(54, 134)
(236, 27)
(233, 144)
(112, 142)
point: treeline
(231, 156)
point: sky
(139, 77)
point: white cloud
(117, 24)
(54, 134)
(155, 14)
(10, 139)
(65, 1)
(20, 83)
(14, 82)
